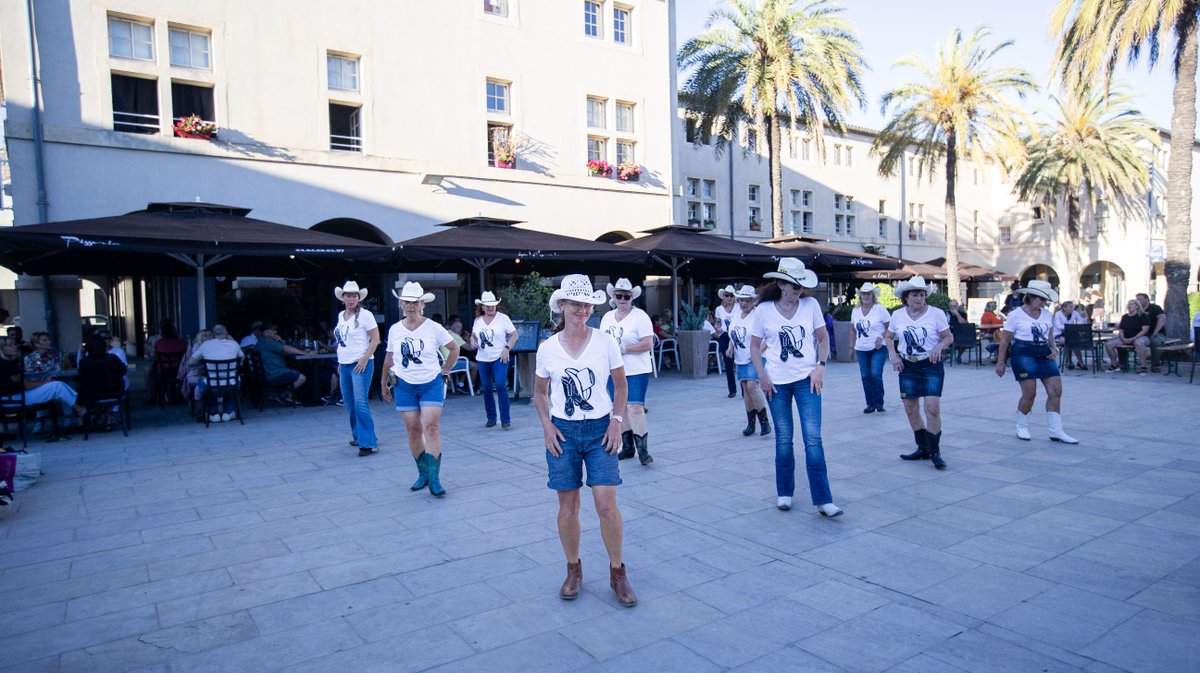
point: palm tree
(1097, 149)
(758, 61)
(1095, 35)
(957, 108)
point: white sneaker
(784, 503)
(228, 417)
(830, 510)
(214, 418)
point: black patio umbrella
(972, 272)
(908, 269)
(676, 247)
(483, 243)
(830, 259)
(181, 239)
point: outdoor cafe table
(314, 362)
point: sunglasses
(622, 297)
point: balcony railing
(345, 143)
(133, 122)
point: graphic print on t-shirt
(790, 339)
(341, 336)
(914, 337)
(863, 328)
(1038, 330)
(738, 334)
(410, 351)
(577, 389)
(616, 332)
(485, 337)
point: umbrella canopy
(830, 259)
(908, 269)
(973, 273)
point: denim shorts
(637, 384)
(286, 377)
(747, 372)
(1032, 361)
(582, 444)
(413, 396)
(921, 378)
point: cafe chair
(15, 408)
(1081, 338)
(221, 379)
(714, 353)
(462, 367)
(665, 346)
(166, 377)
(966, 340)
(103, 396)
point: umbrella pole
(675, 293)
(201, 308)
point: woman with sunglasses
(630, 326)
(493, 336)
(357, 337)
(739, 352)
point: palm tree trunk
(1179, 187)
(773, 160)
(952, 284)
(1069, 287)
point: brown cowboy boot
(620, 586)
(570, 587)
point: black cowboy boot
(764, 423)
(627, 448)
(922, 452)
(750, 416)
(935, 450)
(640, 441)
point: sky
(892, 29)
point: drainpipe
(38, 157)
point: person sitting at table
(36, 391)
(18, 335)
(44, 362)
(219, 347)
(989, 322)
(1067, 314)
(1131, 333)
(113, 346)
(252, 338)
(272, 349)
(98, 368)
(189, 374)
(1158, 324)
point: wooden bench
(1172, 354)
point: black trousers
(730, 373)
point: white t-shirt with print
(628, 332)
(579, 386)
(1061, 320)
(492, 338)
(793, 341)
(739, 336)
(352, 340)
(918, 336)
(869, 328)
(415, 353)
(1025, 327)
(726, 316)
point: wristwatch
(619, 419)
(820, 363)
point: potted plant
(527, 299)
(192, 126)
(755, 225)
(692, 341)
(599, 168)
(504, 148)
(710, 224)
(629, 171)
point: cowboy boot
(620, 586)
(750, 416)
(640, 441)
(423, 473)
(764, 423)
(627, 448)
(935, 449)
(1023, 426)
(434, 467)
(922, 452)
(570, 587)
(1054, 423)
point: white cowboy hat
(747, 292)
(576, 287)
(726, 291)
(792, 270)
(869, 288)
(1040, 288)
(624, 284)
(413, 292)
(914, 283)
(487, 299)
(350, 287)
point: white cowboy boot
(1023, 426)
(1054, 424)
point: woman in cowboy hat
(924, 332)
(357, 336)
(1030, 329)
(870, 320)
(793, 327)
(493, 336)
(581, 427)
(412, 357)
(633, 332)
(739, 352)
(724, 314)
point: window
(343, 72)
(752, 192)
(625, 151)
(794, 222)
(976, 179)
(849, 203)
(849, 156)
(595, 113)
(752, 140)
(694, 213)
(795, 197)
(591, 18)
(710, 212)
(188, 99)
(497, 97)
(804, 147)
(135, 104)
(1037, 213)
(849, 225)
(130, 39)
(621, 25)
(693, 187)
(1005, 235)
(882, 206)
(495, 7)
(710, 190)
(189, 49)
(345, 128)
(690, 133)
(807, 222)
(806, 198)
(1101, 217)
(705, 212)
(838, 223)
(837, 155)
(837, 201)
(975, 227)
(625, 117)
(792, 147)
(597, 149)
(498, 135)
(883, 227)
(754, 220)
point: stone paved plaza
(273, 547)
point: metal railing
(133, 122)
(345, 143)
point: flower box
(629, 172)
(599, 169)
(192, 126)
(505, 163)
(755, 225)
(710, 224)
(194, 136)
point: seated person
(36, 391)
(18, 335)
(219, 347)
(272, 350)
(255, 334)
(113, 346)
(167, 343)
(957, 315)
(989, 322)
(189, 374)
(44, 362)
(1067, 314)
(1132, 331)
(98, 369)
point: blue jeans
(870, 367)
(356, 390)
(494, 375)
(809, 406)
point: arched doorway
(1108, 280)
(352, 228)
(615, 237)
(1040, 272)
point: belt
(914, 358)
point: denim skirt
(1032, 361)
(921, 378)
